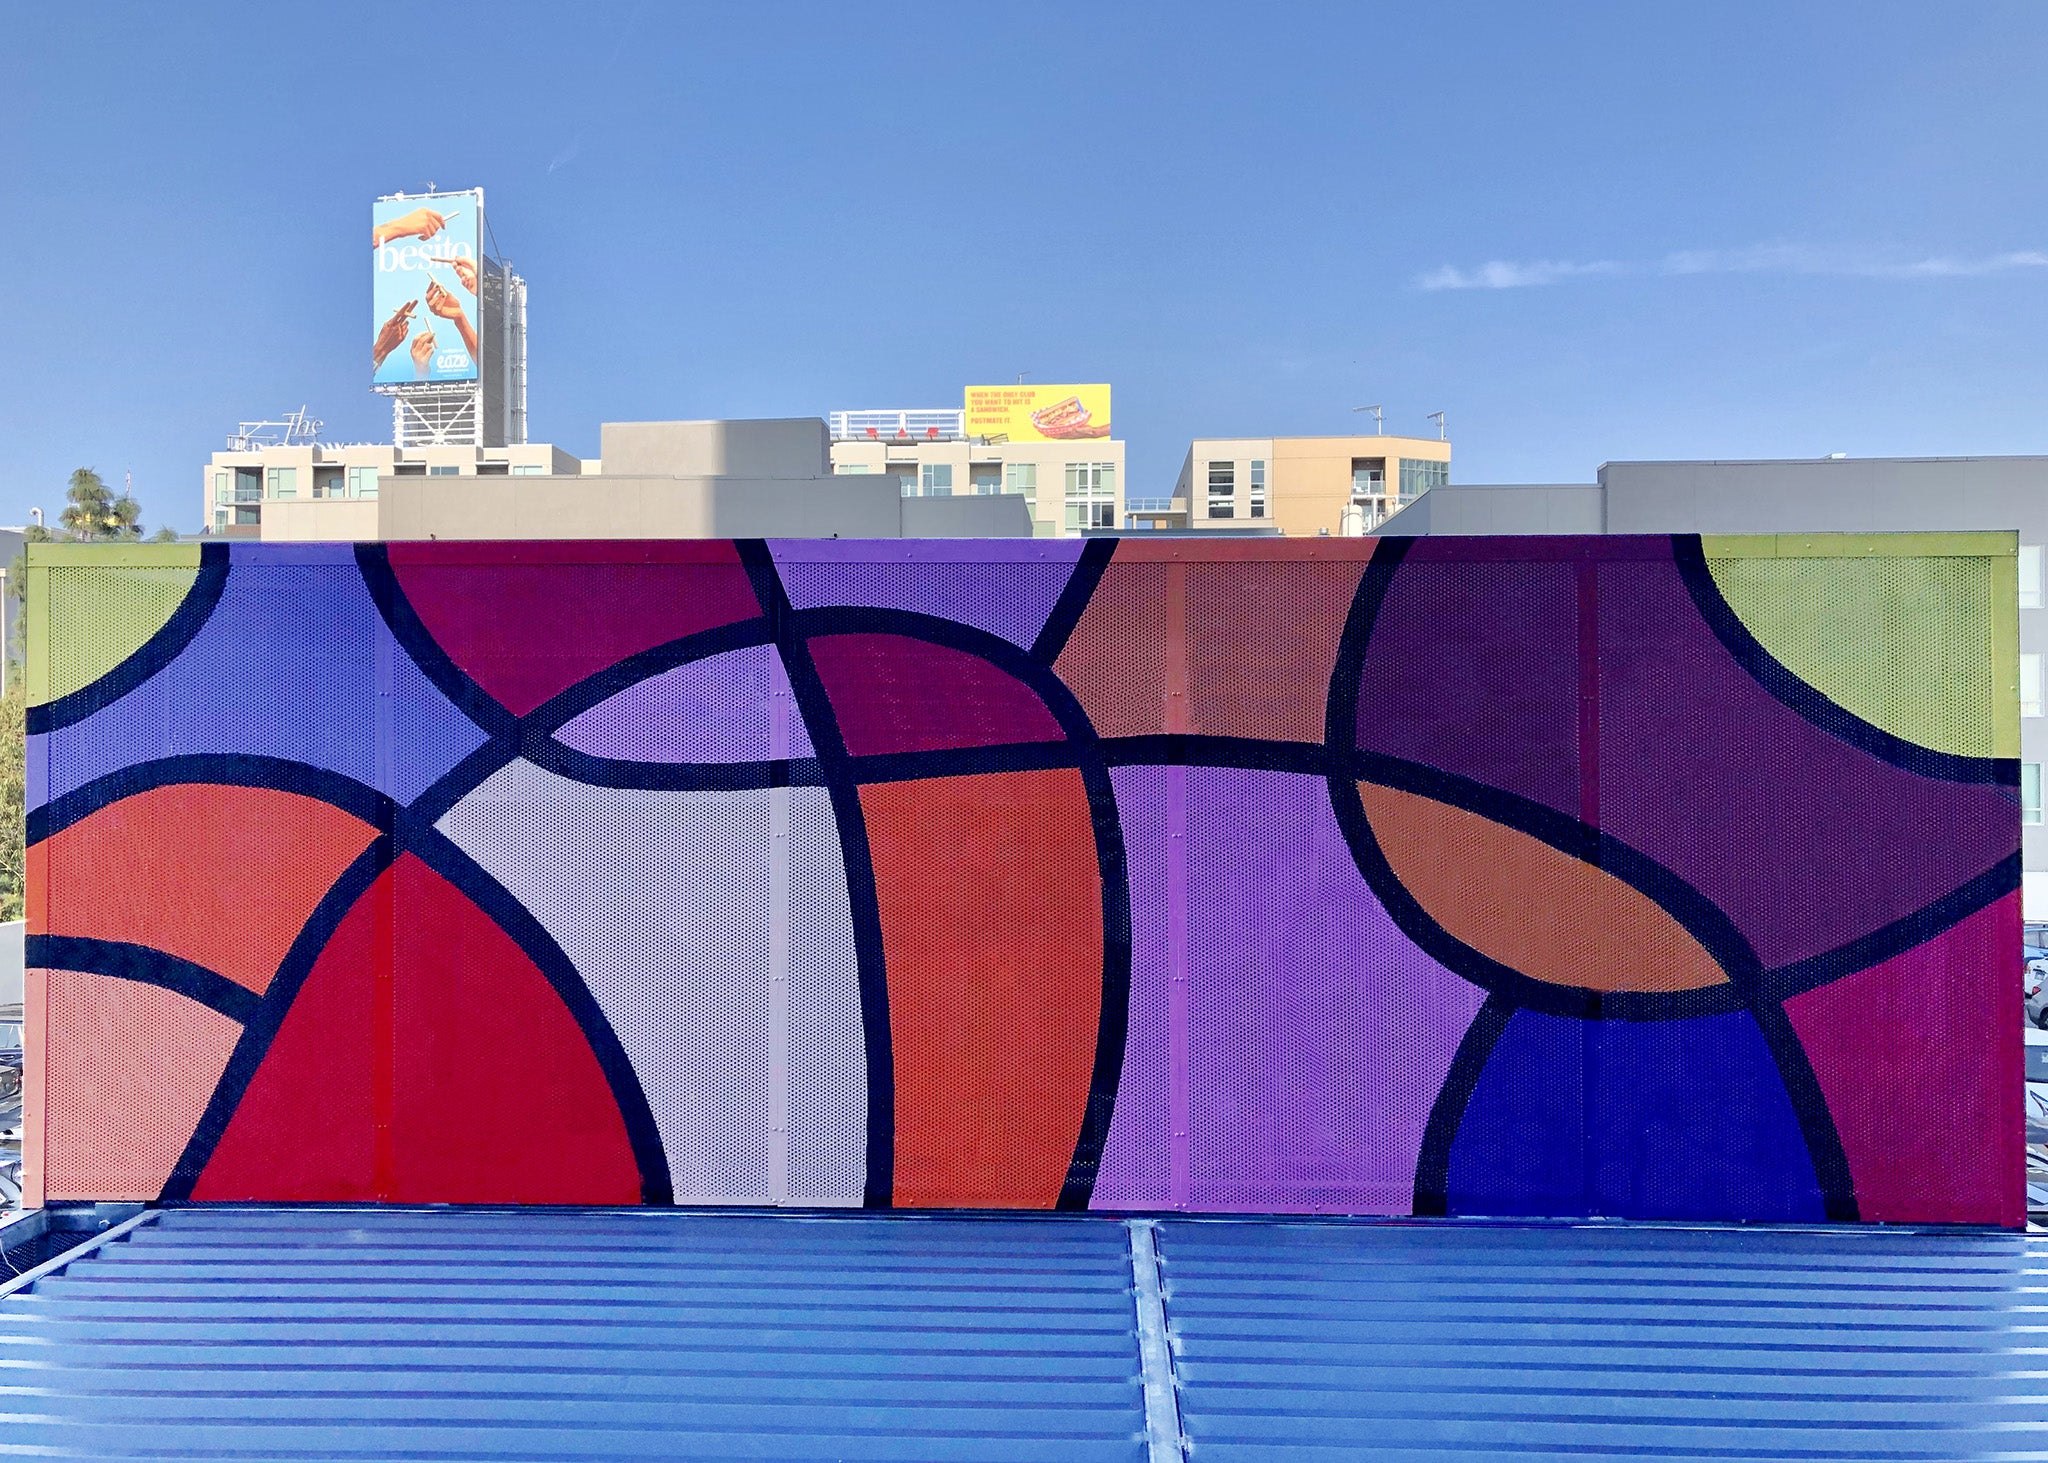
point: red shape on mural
(1931, 1124)
(891, 693)
(991, 905)
(527, 621)
(429, 1063)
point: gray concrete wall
(771, 447)
(614, 506)
(1533, 508)
(1002, 515)
(1830, 495)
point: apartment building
(1297, 486)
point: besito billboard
(424, 290)
(1038, 413)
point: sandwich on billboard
(1038, 413)
(424, 288)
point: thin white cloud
(1505, 274)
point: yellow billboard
(1038, 413)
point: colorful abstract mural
(1640, 877)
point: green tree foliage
(93, 512)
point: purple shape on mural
(1004, 586)
(294, 662)
(1473, 667)
(724, 708)
(1805, 841)
(1316, 1035)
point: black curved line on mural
(544, 751)
(1085, 754)
(1696, 914)
(234, 769)
(373, 561)
(878, 1186)
(145, 966)
(875, 767)
(399, 830)
(261, 1029)
(158, 651)
(1169, 749)
(1447, 1113)
(1901, 935)
(600, 686)
(1067, 610)
(464, 778)
(1810, 1107)
(524, 929)
(1743, 991)
(1186, 749)
(1782, 684)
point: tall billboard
(425, 305)
(1038, 413)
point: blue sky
(1587, 231)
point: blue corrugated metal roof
(1395, 1342)
(578, 1335)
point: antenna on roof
(1442, 426)
(1379, 419)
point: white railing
(924, 424)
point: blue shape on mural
(295, 662)
(1684, 1119)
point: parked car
(2035, 985)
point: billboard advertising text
(1038, 413)
(424, 289)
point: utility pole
(1442, 426)
(1379, 421)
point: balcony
(932, 424)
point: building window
(526, 469)
(327, 482)
(220, 519)
(1418, 478)
(2030, 792)
(1091, 495)
(2030, 685)
(985, 480)
(2030, 576)
(362, 482)
(247, 516)
(248, 485)
(1258, 494)
(283, 482)
(442, 472)
(223, 487)
(853, 469)
(411, 469)
(1021, 477)
(935, 479)
(1368, 478)
(1223, 490)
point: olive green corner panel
(1910, 635)
(103, 607)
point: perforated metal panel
(1896, 640)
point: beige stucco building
(1297, 486)
(716, 479)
